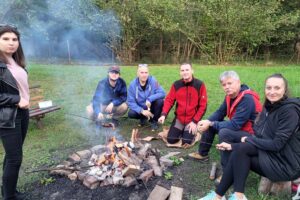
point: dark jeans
(225, 135)
(13, 140)
(244, 157)
(155, 109)
(179, 131)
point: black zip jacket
(277, 137)
(9, 98)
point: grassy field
(72, 88)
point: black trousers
(155, 109)
(225, 135)
(244, 157)
(12, 140)
(179, 131)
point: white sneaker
(233, 196)
(212, 195)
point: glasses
(8, 25)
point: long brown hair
(18, 56)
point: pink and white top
(21, 78)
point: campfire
(116, 163)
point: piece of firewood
(264, 185)
(176, 193)
(284, 187)
(213, 171)
(159, 193)
(146, 175)
(131, 170)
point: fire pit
(116, 163)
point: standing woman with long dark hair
(14, 104)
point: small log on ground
(72, 176)
(90, 182)
(151, 160)
(176, 193)
(146, 175)
(98, 149)
(266, 186)
(129, 181)
(84, 154)
(131, 170)
(74, 157)
(159, 193)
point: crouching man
(190, 96)
(110, 97)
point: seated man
(109, 100)
(241, 105)
(191, 100)
(145, 98)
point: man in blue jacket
(241, 105)
(110, 97)
(145, 98)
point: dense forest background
(157, 31)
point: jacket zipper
(11, 85)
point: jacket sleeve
(158, 93)
(97, 98)
(9, 99)
(132, 104)
(243, 113)
(169, 101)
(202, 104)
(219, 114)
(287, 124)
(122, 95)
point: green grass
(72, 88)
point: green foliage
(47, 180)
(168, 175)
(176, 161)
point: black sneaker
(143, 122)
(154, 126)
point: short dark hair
(18, 56)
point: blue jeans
(12, 140)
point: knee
(121, 109)
(224, 134)
(132, 114)
(158, 103)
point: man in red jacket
(191, 100)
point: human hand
(192, 128)
(224, 146)
(100, 116)
(148, 104)
(162, 119)
(243, 139)
(203, 125)
(109, 108)
(147, 114)
(23, 103)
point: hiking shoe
(154, 126)
(233, 196)
(212, 195)
(143, 122)
(199, 157)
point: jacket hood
(244, 87)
